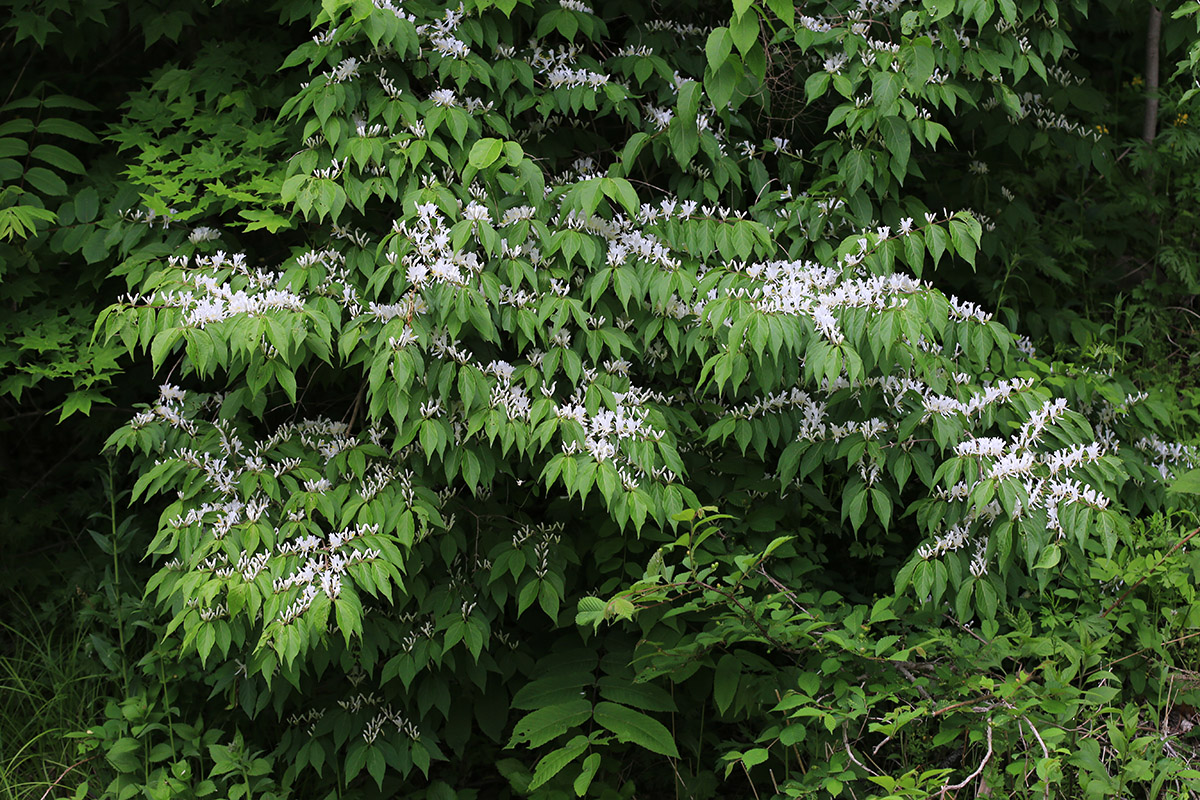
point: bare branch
(978, 770)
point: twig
(913, 680)
(1142, 579)
(849, 752)
(1176, 640)
(978, 770)
(1038, 736)
(796, 750)
(1045, 750)
(357, 406)
(20, 75)
(749, 780)
(48, 472)
(972, 701)
(965, 628)
(52, 786)
(1185, 310)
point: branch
(978, 770)
(1045, 750)
(58, 780)
(849, 752)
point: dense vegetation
(605, 400)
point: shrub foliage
(560, 400)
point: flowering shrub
(467, 323)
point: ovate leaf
(484, 152)
(123, 755)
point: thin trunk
(1150, 120)
(1153, 35)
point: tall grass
(49, 685)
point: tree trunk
(1153, 35)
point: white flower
(476, 213)
(203, 234)
(834, 64)
(444, 98)
(347, 69)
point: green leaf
(484, 152)
(45, 181)
(163, 344)
(785, 10)
(898, 142)
(268, 220)
(744, 31)
(646, 696)
(689, 101)
(964, 244)
(55, 156)
(725, 681)
(590, 765)
(125, 754)
(1187, 483)
(590, 611)
(81, 401)
(65, 127)
(632, 148)
(721, 84)
(936, 240)
(553, 762)
(561, 686)
(96, 248)
(684, 140)
(856, 168)
(623, 192)
(718, 47)
(816, 85)
(348, 612)
(87, 203)
(636, 727)
(539, 727)
(1049, 557)
(10, 148)
(885, 91)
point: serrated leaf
(1187, 483)
(268, 220)
(65, 127)
(55, 156)
(646, 696)
(553, 762)
(635, 727)
(856, 169)
(558, 687)
(539, 727)
(45, 181)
